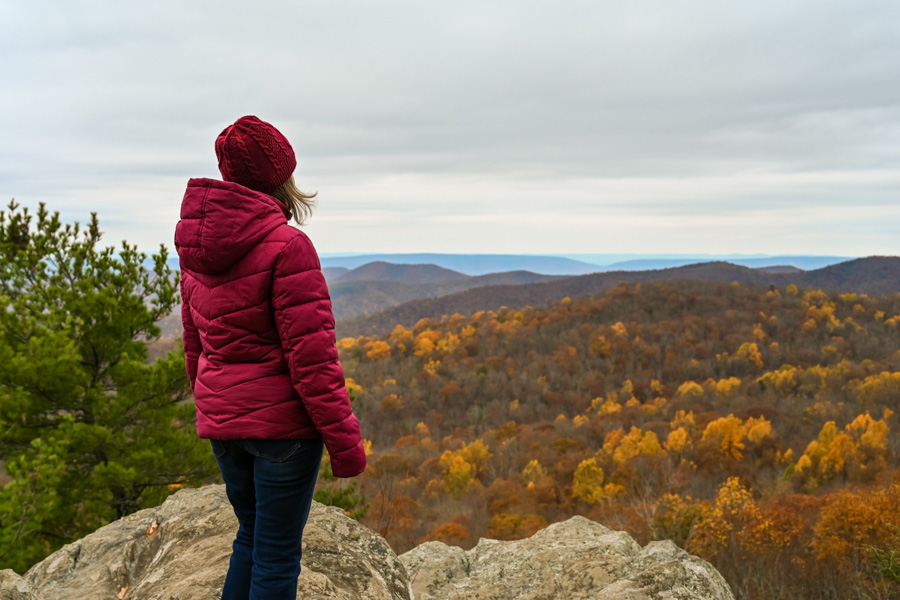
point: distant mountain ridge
(391, 285)
(613, 262)
(805, 263)
(874, 275)
(471, 264)
(384, 271)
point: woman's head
(254, 154)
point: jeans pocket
(274, 450)
(218, 447)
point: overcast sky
(649, 126)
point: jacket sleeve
(191, 337)
(305, 324)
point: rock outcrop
(180, 551)
(186, 557)
(575, 559)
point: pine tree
(89, 430)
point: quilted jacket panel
(258, 326)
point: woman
(260, 353)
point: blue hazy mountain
(806, 263)
(470, 264)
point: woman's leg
(237, 471)
(284, 474)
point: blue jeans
(270, 485)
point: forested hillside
(874, 275)
(753, 425)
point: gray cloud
(442, 116)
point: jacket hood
(221, 221)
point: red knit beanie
(254, 154)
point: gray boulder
(186, 558)
(180, 551)
(572, 560)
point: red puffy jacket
(258, 327)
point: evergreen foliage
(887, 560)
(89, 431)
(331, 492)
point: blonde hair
(299, 203)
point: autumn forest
(753, 425)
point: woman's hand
(350, 462)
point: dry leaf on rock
(154, 526)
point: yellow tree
(720, 530)
(690, 390)
(678, 439)
(477, 455)
(457, 474)
(533, 472)
(728, 433)
(588, 482)
(378, 350)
